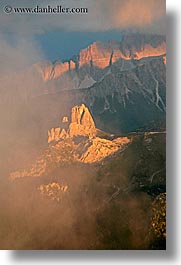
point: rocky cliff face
(50, 71)
(127, 96)
(131, 47)
(125, 100)
(79, 143)
(97, 55)
(101, 55)
(53, 191)
(82, 124)
(137, 46)
(68, 151)
(124, 79)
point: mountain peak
(97, 54)
(100, 55)
(81, 124)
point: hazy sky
(63, 35)
(64, 45)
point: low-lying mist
(23, 115)
(17, 120)
(98, 211)
(86, 217)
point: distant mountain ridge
(101, 55)
(128, 95)
(83, 144)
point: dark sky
(62, 45)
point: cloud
(102, 15)
(19, 56)
(138, 13)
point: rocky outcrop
(158, 220)
(101, 55)
(63, 152)
(165, 60)
(91, 150)
(78, 143)
(137, 46)
(101, 148)
(97, 55)
(53, 191)
(50, 71)
(55, 134)
(65, 119)
(82, 124)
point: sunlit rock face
(100, 148)
(97, 54)
(55, 134)
(138, 46)
(100, 55)
(65, 119)
(53, 191)
(69, 151)
(165, 60)
(82, 124)
(50, 71)
(79, 143)
(149, 51)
